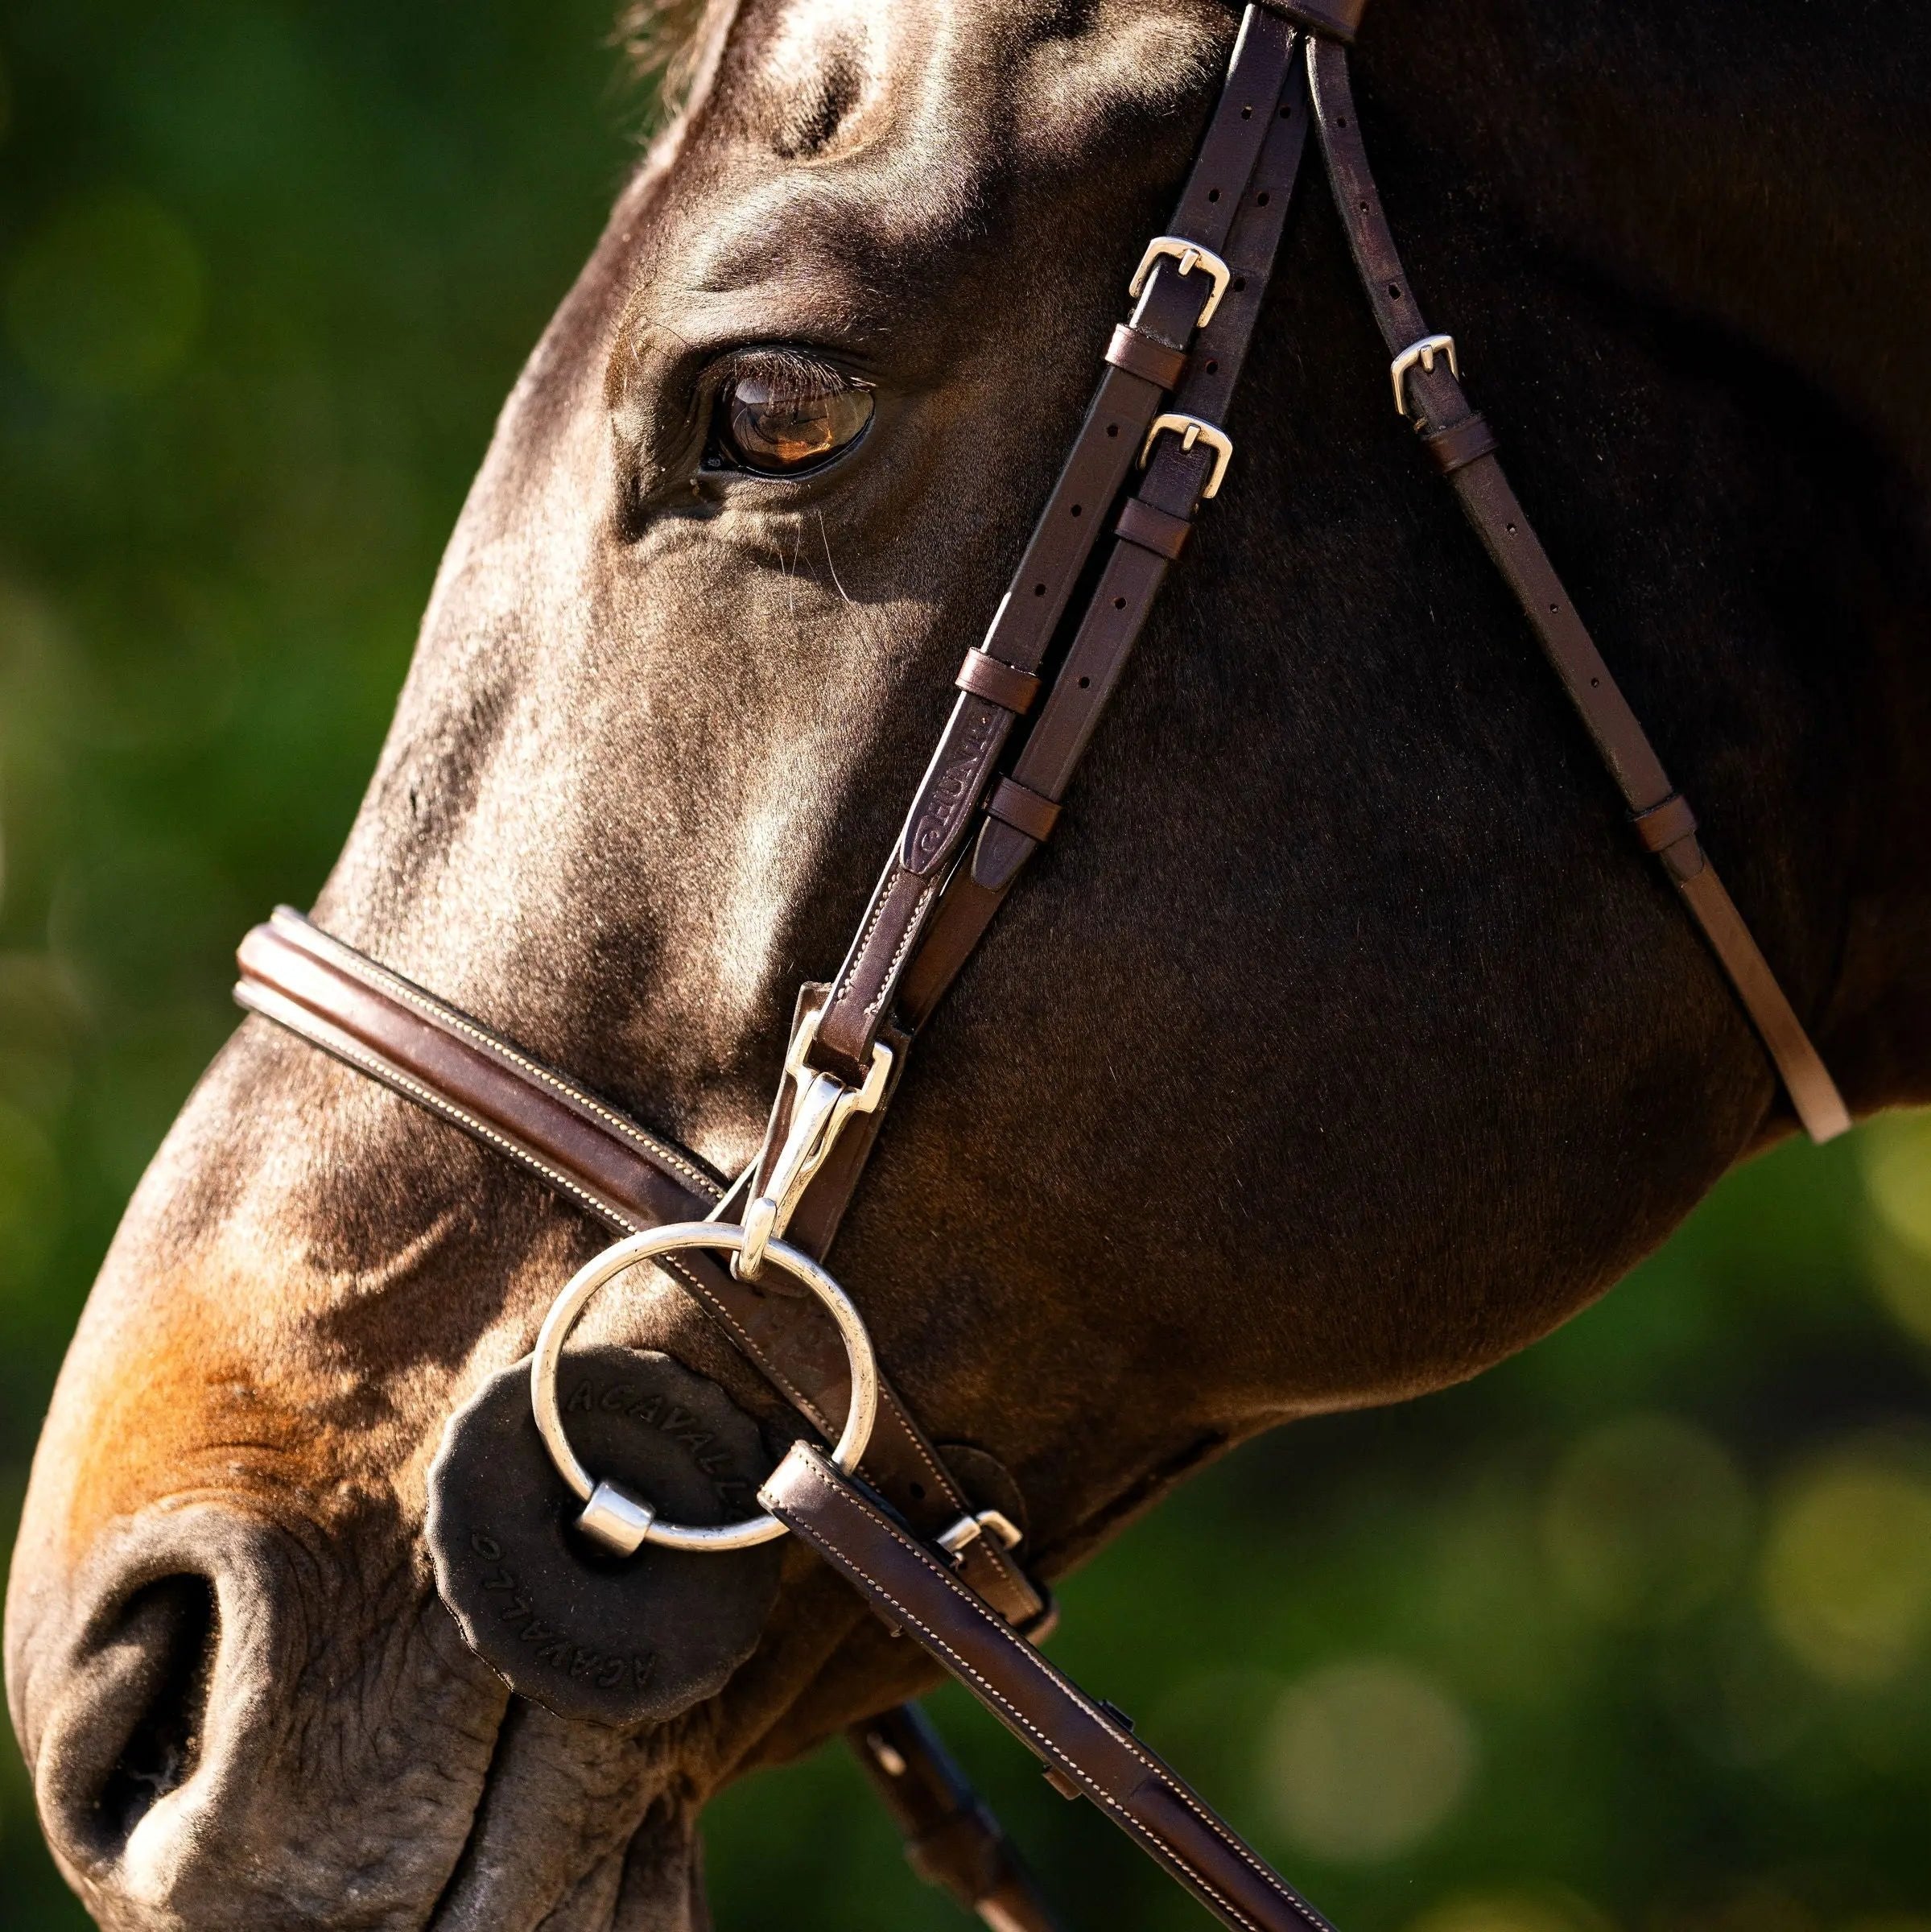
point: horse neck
(1762, 228)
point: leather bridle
(907, 1533)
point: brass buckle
(1191, 430)
(819, 1109)
(1425, 353)
(1189, 255)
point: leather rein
(883, 1509)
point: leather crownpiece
(1334, 19)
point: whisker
(825, 538)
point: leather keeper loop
(1457, 446)
(1153, 528)
(1140, 355)
(1337, 19)
(985, 676)
(1667, 824)
(1024, 811)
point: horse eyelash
(795, 375)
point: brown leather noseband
(907, 1537)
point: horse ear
(658, 38)
(1128, 62)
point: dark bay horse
(1343, 1043)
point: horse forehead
(899, 122)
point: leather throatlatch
(1429, 391)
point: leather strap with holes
(1150, 531)
(1463, 449)
(1148, 356)
(1149, 528)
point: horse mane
(662, 41)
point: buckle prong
(968, 1530)
(1191, 430)
(1188, 256)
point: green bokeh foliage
(1635, 1631)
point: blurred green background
(1635, 1632)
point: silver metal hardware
(618, 1520)
(720, 1209)
(819, 1109)
(623, 1522)
(1425, 353)
(969, 1529)
(1191, 430)
(1189, 255)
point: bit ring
(620, 1521)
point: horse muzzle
(181, 1780)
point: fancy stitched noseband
(883, 1508)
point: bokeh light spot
(1645, 1520)
(1896, 1162)
(1896, 1155)
(1511, 1911)
(29, 1198)
(105, 296)
(1846, 1572)
(1364, 1759)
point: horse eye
(781, 414)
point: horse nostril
(177, 1622)
(167, 1637)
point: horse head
(1342, 1043)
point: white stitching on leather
(718, 1312)
(1125, 1740)
(1101, 1797)
(1001, 1559)
(379, 1069)
(433, 1009)
(947, 1485)
(864, 940)
(906, 938)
